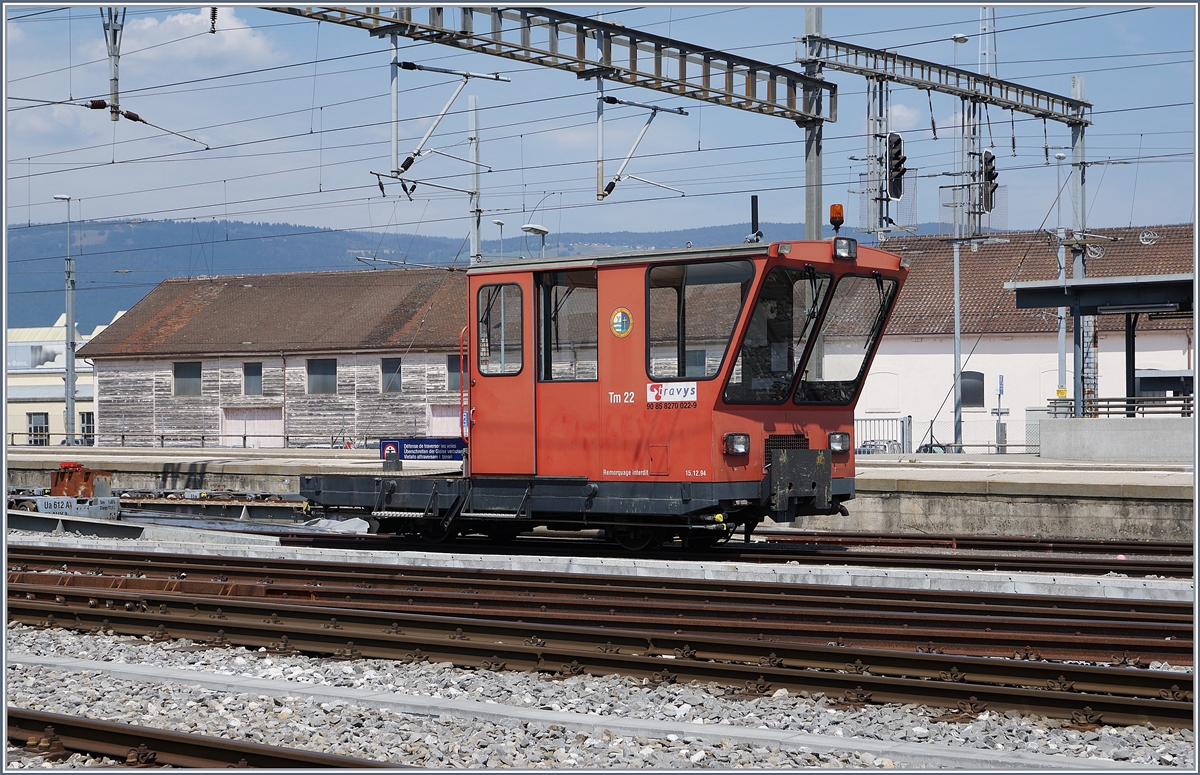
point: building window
(252, 379)
(322, 376)
(972, 389)
(38, 425)
(454, 373)
(391, 375)
(87, 427)
(187, 378)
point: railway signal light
(895, 165)
(989, 184)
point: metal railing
(887, 433)
(1127, 406)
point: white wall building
(913, 372)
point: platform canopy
(1109, 295)
(1170, 294)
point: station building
(289, 359)
(35, 372)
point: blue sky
(296, 143)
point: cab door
(501, 410)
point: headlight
(839, 442)
(737, 444)
(845, 247)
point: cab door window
(693, 309)
(567, 326)
(500, 343)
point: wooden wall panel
(137, 397)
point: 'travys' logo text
(671, 395)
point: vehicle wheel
(700, 540)
(25, 506)
(434, 533)
(637, 538)
(503, 535)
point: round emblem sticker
(621, 322)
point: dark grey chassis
(797, 483)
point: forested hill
(117, 263)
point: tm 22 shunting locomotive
(652, 395)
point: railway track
(1056, 628)
(894, 554)
(1085, 693)
(969, 542)
(56, 736)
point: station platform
(910, 493)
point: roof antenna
(755, 235)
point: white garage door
(260, 426)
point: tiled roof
(422, 309)
(926, 304)
(384, 309)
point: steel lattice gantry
(560, 40)
(958, 82)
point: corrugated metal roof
(54, 333)
(48, 392)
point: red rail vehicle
(652, 394)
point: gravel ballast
(288, 718)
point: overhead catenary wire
(27, 172)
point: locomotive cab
(670, 393)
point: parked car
(879, 447)
(937, 449)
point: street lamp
(534, 228)
(69, 420)
(1062, 276)
(500, 223)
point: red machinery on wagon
(652, 394)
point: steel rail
(56, 736)
(94, 561)
(973, 542)
(983, 633)
(779, 553)
(1085, 693)
(969, 623)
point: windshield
(693, 309)
(778, 333)
(847, 339)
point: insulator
(129, 114)
(97, 104)
(213, 28)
